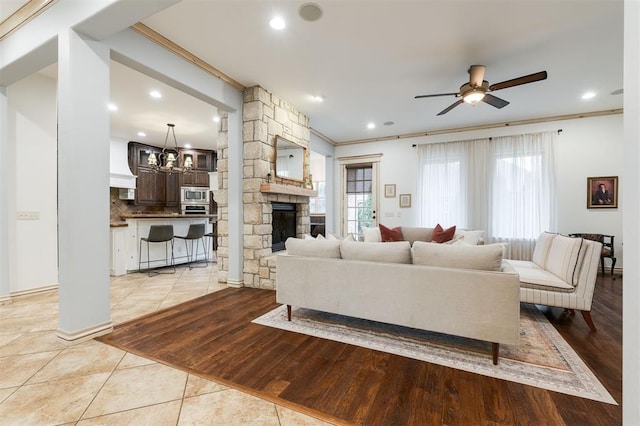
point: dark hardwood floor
(213, 337)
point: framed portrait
(602, 192)
(390, 190)
(405, 200)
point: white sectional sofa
(460, 290)
(562, 273)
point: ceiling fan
(477, 89)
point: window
(359, 198)
(504, 186)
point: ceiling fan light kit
(477, 89)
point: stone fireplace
(264, 117)
(283, 224)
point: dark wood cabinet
(163, 189)
(173, 189)
(195, 178)
(150, 187)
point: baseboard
(235, 283)
(86, 334)
(33, 290)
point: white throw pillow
(563, 257)
(541, 250)
(392, 252)
(470, 236)
(459, 255)
(333, 236)
(313, 248)
(371, 235)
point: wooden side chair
(608, 250)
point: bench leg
(587, 317)
(496, 351)
(289, 312)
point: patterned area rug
(543, 358)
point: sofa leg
(289, 312)
(587, 317)
(496, 351)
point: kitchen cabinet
(195, 178)
(173, 189)
(150, 187)
(154, 188)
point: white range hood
(120, 175)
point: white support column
(631, 211)
(83, 186)
(4, 197)
(236, 214)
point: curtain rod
(490, 138)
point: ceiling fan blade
(520, 80)
(450, 107)
(476, 75)
(436, 95)
(494, 101)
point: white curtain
(523, 192)
(504, 186)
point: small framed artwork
(405, 200)
(390, 190)
(602, 192)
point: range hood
(120, 175)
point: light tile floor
(46, 382)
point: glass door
(360, 191)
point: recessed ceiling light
(317, 98)
(142, 134)
(388, 123)
(277, 23)
(588, 95)
(371, 126)
(187, 145)
(216, 118)
(310, 12)
(112, 107)
(155, 94)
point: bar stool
(157, 234)
(195, 232)
(214, 239)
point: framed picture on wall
(602, 192)
(390, 190)
(405, 200)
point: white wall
(32, 128)
(585, 147)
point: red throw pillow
(388, 234)
(440, 235)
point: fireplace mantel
(276, 188)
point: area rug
(542, 358)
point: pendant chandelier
(169, 158)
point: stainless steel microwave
(194, 195)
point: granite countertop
(119, 224)
(166, 216)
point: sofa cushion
(371, 235)
(563, 257)
(313, 247)
(332, 236)
(415, 233)
(390, 234)
(393, 252)
(479, 257)
(533, 276)
(440, 235)
(541, 250)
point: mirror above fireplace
(290, 159)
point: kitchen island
(125, 244)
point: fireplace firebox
(283, 224)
